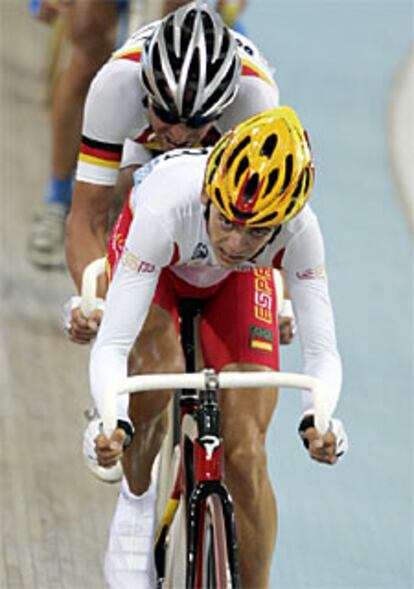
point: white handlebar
(89, 285)
(198, 380)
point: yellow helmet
(261, 173)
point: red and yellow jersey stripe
(93, 152)
(249, 68)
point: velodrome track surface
(348, 527)
(54, 515)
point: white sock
(129, 560)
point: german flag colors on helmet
(261, 173)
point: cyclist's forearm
(314, 316)
(127, 306)
(87, 226)
(83, 245)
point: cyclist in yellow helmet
(214, 225)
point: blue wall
(350, 526)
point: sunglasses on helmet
(170, 118)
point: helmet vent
(226, 81)
(219, 198)
(307, 181)
(290, 207)
(159, 76)
(271, 181)
(186, 31)
(299, 185)
(241, 168)
(215, 164)
(175, 60)
(145, 81)
(192, 83)
(237, 151)
(251, 187)
(218, 159)
(169, 35)
(208, 32)
(240, 214)
(268, 219)
(288, 172)
(269, 146)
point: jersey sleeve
(134, 154)
(304, 264)
(111, 113)
(147, 249)
(129, 298)
(148, 240)
(254, 96)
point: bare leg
(245, 419)
(90, 27)
(171, 5)
(91, 30)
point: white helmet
(190, 65)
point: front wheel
(215, 568)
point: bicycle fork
(208, 472)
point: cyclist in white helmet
(90, 31)
(180, 82)
(136, 109)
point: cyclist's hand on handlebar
(286, 330)
(78, 328)
(84, 329)
(110, 450)
(324, 448)
(320, 448)
(286, 322)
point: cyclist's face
(234, 244)
(176, 135)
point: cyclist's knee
(246, 463)
(148, 410)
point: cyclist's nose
(178, 133)
(236, 243)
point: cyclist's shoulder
(305, 221)
(114, 105)
(255, 66)
(120, 71)
(131, 50)
(296, 242)
(170, 183)
(257, 90)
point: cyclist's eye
(225, 222)
(260, 232)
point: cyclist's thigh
(246, 414)
(157, 350)
(238, 322)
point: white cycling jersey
(169, 230)
(115, 114)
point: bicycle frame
(207, 484)
(199, 478)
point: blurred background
(347, 67)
